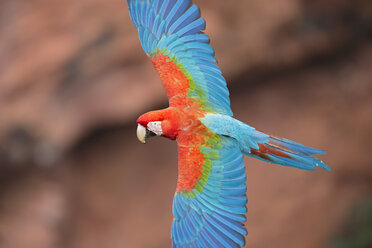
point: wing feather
(212, 212)
(177, 10)
(173, 29)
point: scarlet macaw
(209, 205)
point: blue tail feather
(263, 146)
(288, 153)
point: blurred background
(73, 80)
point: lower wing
(209, 206)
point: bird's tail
(263, 146)
(289, 153)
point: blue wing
(174, 28)
(213, 213)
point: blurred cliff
(73, 79)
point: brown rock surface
(68, 69)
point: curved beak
(141, 133)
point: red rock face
(298, 69)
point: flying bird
(209, 205)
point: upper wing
(210, 203)
(170, 32)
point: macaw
(209, 205)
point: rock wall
(73, 79)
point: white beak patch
(155, 127)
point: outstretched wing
(210, 203)
(170, 32)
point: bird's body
(209, 206)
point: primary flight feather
(209, 206)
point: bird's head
(155, 123)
